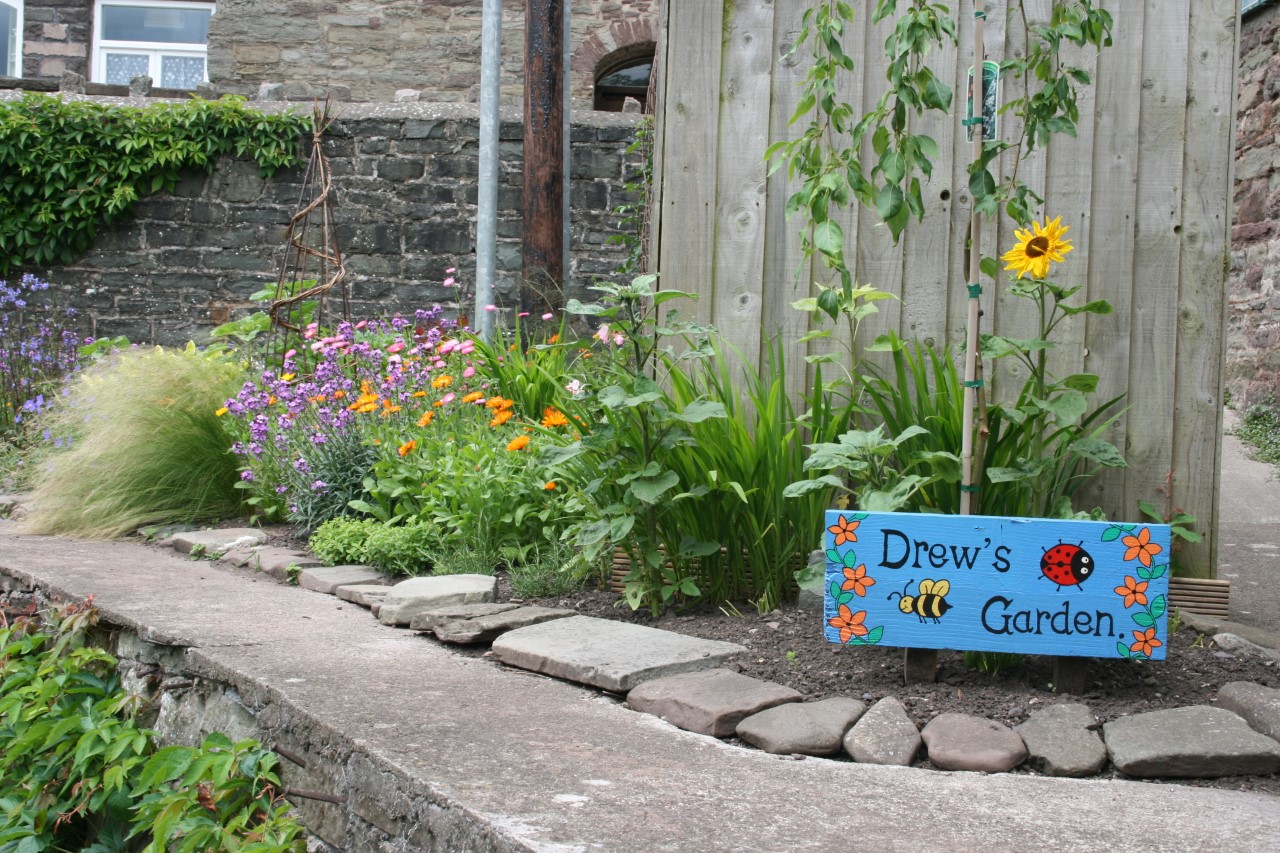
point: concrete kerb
(440, 751)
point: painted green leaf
(850, 559)
(834, 589)
(874, 635)
(1144, 573)
(1122, 650)
(1111, 534)
(1144, 619)
(1158, 571)
(833, 555)
(844, 597)
(1158, 606)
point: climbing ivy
(68, 167)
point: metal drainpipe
(487, 201)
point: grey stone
(884, 735)
(238, 557)
(962, 742)
(417, 595)
(10, 506)
(71, 83)
(481, 623)
(1061, 742)
(1238, 645)
(802, 728)
(140, 86)
(407, 96)
(279, 562)
(271, 92)
(207, 91)
(1257, 705)
(610, 655)
(1193, 742)
(710, 701)
(364, 594)
(214, 543)
(328, 578)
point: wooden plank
(737, 280)
(1156, 251)
(686, 250)
(1206, 223)
(658, 106)
(988, 583)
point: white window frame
(151, 49)
(16, 5)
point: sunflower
(1035, 250)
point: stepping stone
(1259, 706)
(214, 543)
(328, 578)
(802, 728)
(962, 742)
(9, 506)
(1196, 742)
(710, 701)
(418, 595)
(1241, 647)
(884, 735)
(364, 594)
(613, 656)
(1060, 741)
(278, 561)
(482, 623)
(239, 557)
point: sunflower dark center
(1038, 247)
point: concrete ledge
(436, 751)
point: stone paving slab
(884, 735)
(1257, 705)
(328, 578)
(1240, 647)
(278, 562)
(451, 626)
(364, 594)
(418, 595)
(613, 656)
(1196, 742)
(238, 557)
(802, 728)
(1061, 741)
(214, 543)
(710, 701)
(964, 742)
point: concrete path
(1249, 533)
(530, 763)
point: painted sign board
(988, 583)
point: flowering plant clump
(37, 350)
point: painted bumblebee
(929, 602)
(1066, 564)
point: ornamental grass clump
(141, 445)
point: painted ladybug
(1066, 565)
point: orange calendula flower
(407, 447)
(389, 408)
(419, 393)
(849, 623)
(366, 386)
(551, 484)
(1145, 642)
(520, 442)
(442, 381)
(554, 339)
(500, 418)
(494, 402)
(1133, 591)
(339, 394)
(472, 397)
(843, 530)
(271, 400)
(364, 404)
(553, 417)
(319, 398)
(857, 580)
(425, 420)
(1141, 547)
(221, 412)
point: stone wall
(55, 37)
(367, 50)
(1252, 372)
(405, 204)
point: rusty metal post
(544, 179)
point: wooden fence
(1145, 187)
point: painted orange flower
(407, 447)
(473, 396)
(1145, 642)
(849, 623)
(520, 442)
(500, 418)
(843, 530)
(1141, 547)
(857, 580)
(443, 381)
(425, 420)
(1133, 591)
(553, 417)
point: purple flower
(247, 476)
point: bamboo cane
(967, 486)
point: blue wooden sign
(987, 583)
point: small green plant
(992, 663)
(456, 558)
(403, 549)
(197, 551)
(291, 573)
(341, 541)
(633, 220)
(1180, 523)
(551, 570)
(1260, 429)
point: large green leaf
(1099, 451)
(650, 489)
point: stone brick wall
(55, 37)
(405, 194)
(367, 50)
(1252, 372)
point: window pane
(148, 23)
(123, 67)
(181, 72)
(8, 40)
(635, 76)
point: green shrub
(341, 541)
(1260, 429)
(551, 570)
(78, 773)
(455, 558)
(403, 549)
(141, 445)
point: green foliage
(1260, 429)
(633, 214)
(67, 167)
(457, 558)
(404, 549)
(80, 774)
(1180, 523)
(992, 663)
(550, 570)
(340, 541)
(142, 445)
